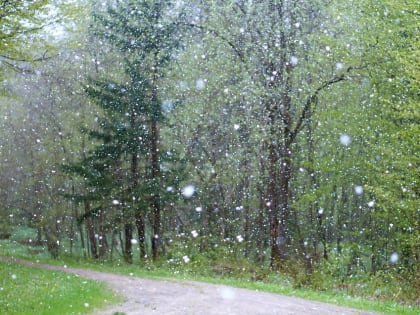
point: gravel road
(177, 297)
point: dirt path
(176, 297)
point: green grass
(27, 290)
(274, 283)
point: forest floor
(173, 297)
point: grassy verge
(275, 283)
(25, 290)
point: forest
(278, 136)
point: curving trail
(176, 297)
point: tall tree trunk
(141, 233)
(128, 245)
(138, 216)
(90, 231)
(156, 194)
(278, 204)
(102, 241)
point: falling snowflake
(188, 191)
(227, 293)
(200, 84)
(394, 258)
(345, 139)
(358, 189)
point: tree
(132, 108)
(275, 48)
(21, 22)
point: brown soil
(176, 297)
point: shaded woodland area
(278, 134)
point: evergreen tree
(143, 36)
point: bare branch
(313, 98)
(215, 33)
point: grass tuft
(26, 291)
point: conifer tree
(143, 36)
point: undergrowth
(384, 292)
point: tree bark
(156, 195)
(91, 232)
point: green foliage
(223, 82)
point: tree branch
(44, 57)
(313, 98)
(238, 52)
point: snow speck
(371, 204)
(227, 293)
(200, 84)
(194, 233)
(188, 191)
(134, 241)
(358, 189)
(294, 60)
(115, 202)
(186, 259)
(394, 258)
(86, 304)
(199, 209)
(239, 238)
(167, 106)
(320, 211)
(169, 189)
(14, 276)
(339, 65)
(236, 126)
(345, 139)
